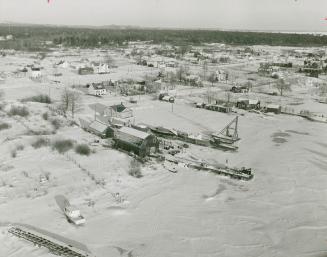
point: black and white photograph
(163, 128)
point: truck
(74, 215)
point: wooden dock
(234, 173)
(54, 246)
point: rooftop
(134, 132)
(98, 126)
(118, 107)
(98, 86)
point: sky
(276, 15)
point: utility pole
(49, 93)
(95, 112)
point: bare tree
(205, 69)
(249, 85)
(75, 102)
(2, 94)
(71, 101)
(181, 72)
(212, 78)
(65, 101)
(109, 60)
(228, 96)
(183, 49)
(282, 86)
(171, 77)
(322, 89)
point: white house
(97, 89)
(100, 68)
(36, 73)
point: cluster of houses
(313, 67)
(94, 68)
(273, 69)
(241, 103)
(6, 38)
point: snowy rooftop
(134, 132)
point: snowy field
(281, 212)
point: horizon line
(10, 23)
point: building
(248, 104)
(96, 89)
(119, 111)
(100, 68)
(221, 76)
(36, 73)
(274, 108)
(240, 89)
(136, 141)
(101, 129)
(219, 108)
(98, 128)
(267, 69)
(85, 70)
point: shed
(274, 108)
(248, 104)
(98, 128)
(101, 129)
(85, 70)
(118, 111)
(219, 108)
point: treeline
(31, 36)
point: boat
(74, 215)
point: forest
(32, 37)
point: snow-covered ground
(282, 212)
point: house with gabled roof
(118, 111)
(96, 89)
(139, 142)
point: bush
(13, 153)
(20, 147)
(18, 111)
(39, 99)
(4, 126)
(45, 116)
(83, 149)
(63, 145)
(40, 142)
(56, 123)
(135, 169)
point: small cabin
(36, 73)
(85, 70)
(248, 104)
(219, 108)
(96, 89)
(273, 108)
